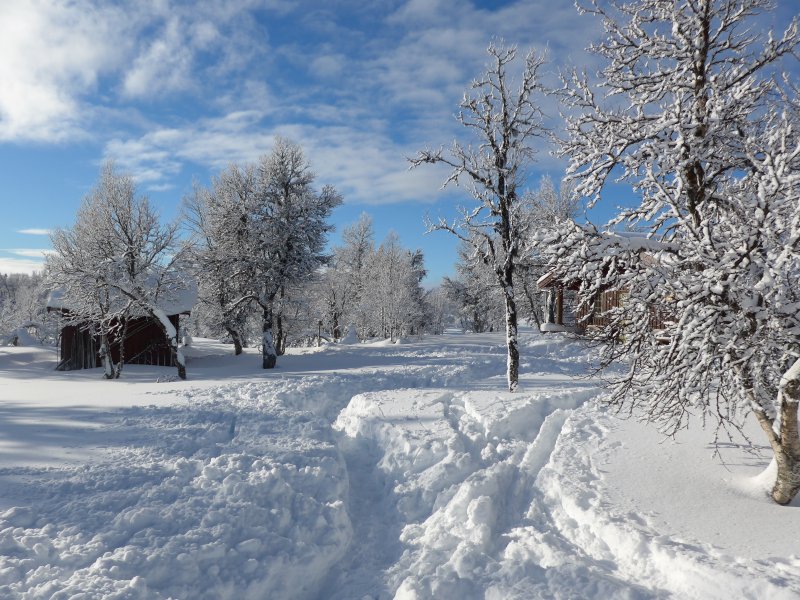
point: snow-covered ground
(370, 471)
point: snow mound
(351, 337)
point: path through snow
(367, 471)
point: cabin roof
(177, 302)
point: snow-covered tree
(22, 306)
(392, 302)
(475, 292)
(115, 261)
(690, 113)
(219, 217)
(267, 235)
(341, 286)
(544, 209)
(441, 310)
(504, 122)
(289, 226)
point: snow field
(372, 471)
(225, 492)
(233, 494)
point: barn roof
(176, 302)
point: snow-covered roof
(626, 240)
(634, 240)
(175, 302)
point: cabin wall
(78, 349)
(144, 344)
(604, 303)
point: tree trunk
(269, 357)
(105, 356)
(280, 337)
(171, 334)
(336, 329)
(121, 362)
(533, 303)
(787, 483)
(178, 358)
(279, 341)
(511, 329)
(237, 339)
(786, 444)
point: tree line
(252, 245)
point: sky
(175, 91)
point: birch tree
(475, 292)
(117, 260)
(264, 228)
(289, 230)
(544, 209)
(219, 217)
(504, 121)
(690, 113)
(22, 305)
(392, 303)
(341, 286)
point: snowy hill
(370, 471)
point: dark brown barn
(143, 342)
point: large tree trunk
(171, 334)
(269, 357)
(236, 337)
(785, 444)
(787, 483)
(511, 328)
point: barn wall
(78, 349)
(144, 344)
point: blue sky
(174, 91)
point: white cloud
(394, 91)
(327, 66)
(52, 52)
(166, 65)
(28, 252)
(34, 231)
(156, 156)
(19, 265)
(364, 163)
(57, 56)
(22, 260)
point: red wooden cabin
(143, 343)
